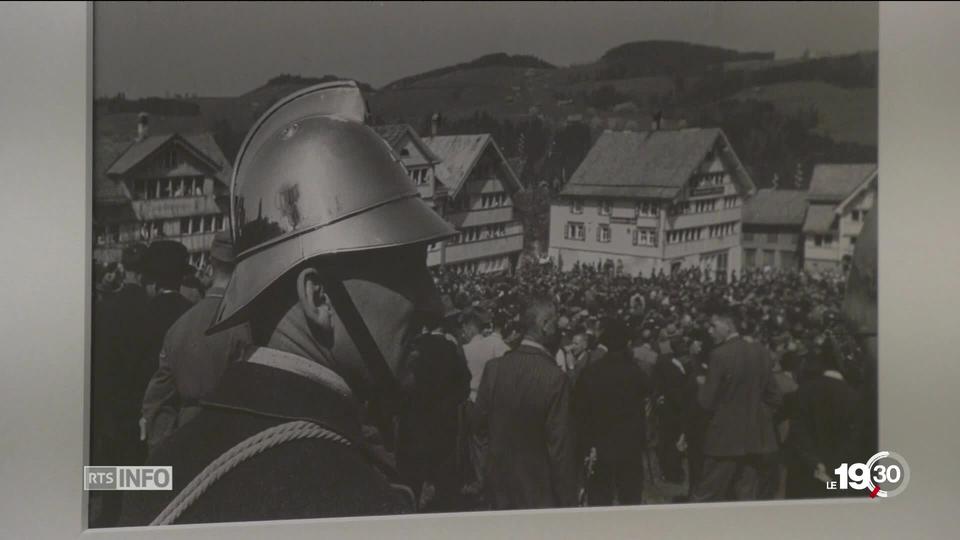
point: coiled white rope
(244, 450)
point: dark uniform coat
(190, 366)
(524, 402)
(299, 479)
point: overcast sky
(226, 49)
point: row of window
(709, 179)
(484, 232)
(694, 234)
(159, 228)
(605, 208)
(420, 177)
(494, 200)
(480, 266)
(166, 188)
(759, 258)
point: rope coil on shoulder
(244, 450)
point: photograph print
(367, 259)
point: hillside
(845, 114)
(502, 60)
(791, 111)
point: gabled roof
(460, 154)
(636, 161)
(869, 181)
(832, 183)
(819, 219)
(115, 135)
(775, 207)
(394, 135)
(202, 145)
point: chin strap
(384, 382)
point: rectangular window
(853, 241)
(604, 207)
(603, 233)
(768, 257)
(184, 225)
(750, 257)
(748, 236)
(575, 231)
(647, 209)
(855, 215)
(772, 238)
(576, 206)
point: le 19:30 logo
(886, 474)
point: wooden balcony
(483, 248)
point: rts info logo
(128, 478)
(886, 474)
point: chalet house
(773, 229)
(172, 185)
(421, 163)
(659, 200)
(839, 198)
(480, 185)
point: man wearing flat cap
(118, 338)
(190, 362)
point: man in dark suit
(825, 430)
(671, 375)
(429, 420)
(190, 362)
(524, 402)
(609, 408)
(740, 396)
(165, 265)
(118, 339)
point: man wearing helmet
(332, 280)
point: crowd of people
(749, 387)
(539, 388)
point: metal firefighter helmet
(310, 180)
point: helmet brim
(401, 222)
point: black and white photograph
(377, 258)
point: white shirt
(478, 352)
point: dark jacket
(162, 311)
(429, 417)
(306, 478)
(524, 402)
(740, 397)
(826, 428)
(609, 404)
(118, 345)
(190, 366)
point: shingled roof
(648, 163)
(832, 183)
(394, 134)
(460, 153)
(775, 207)
(116, 150)
(819, 219)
